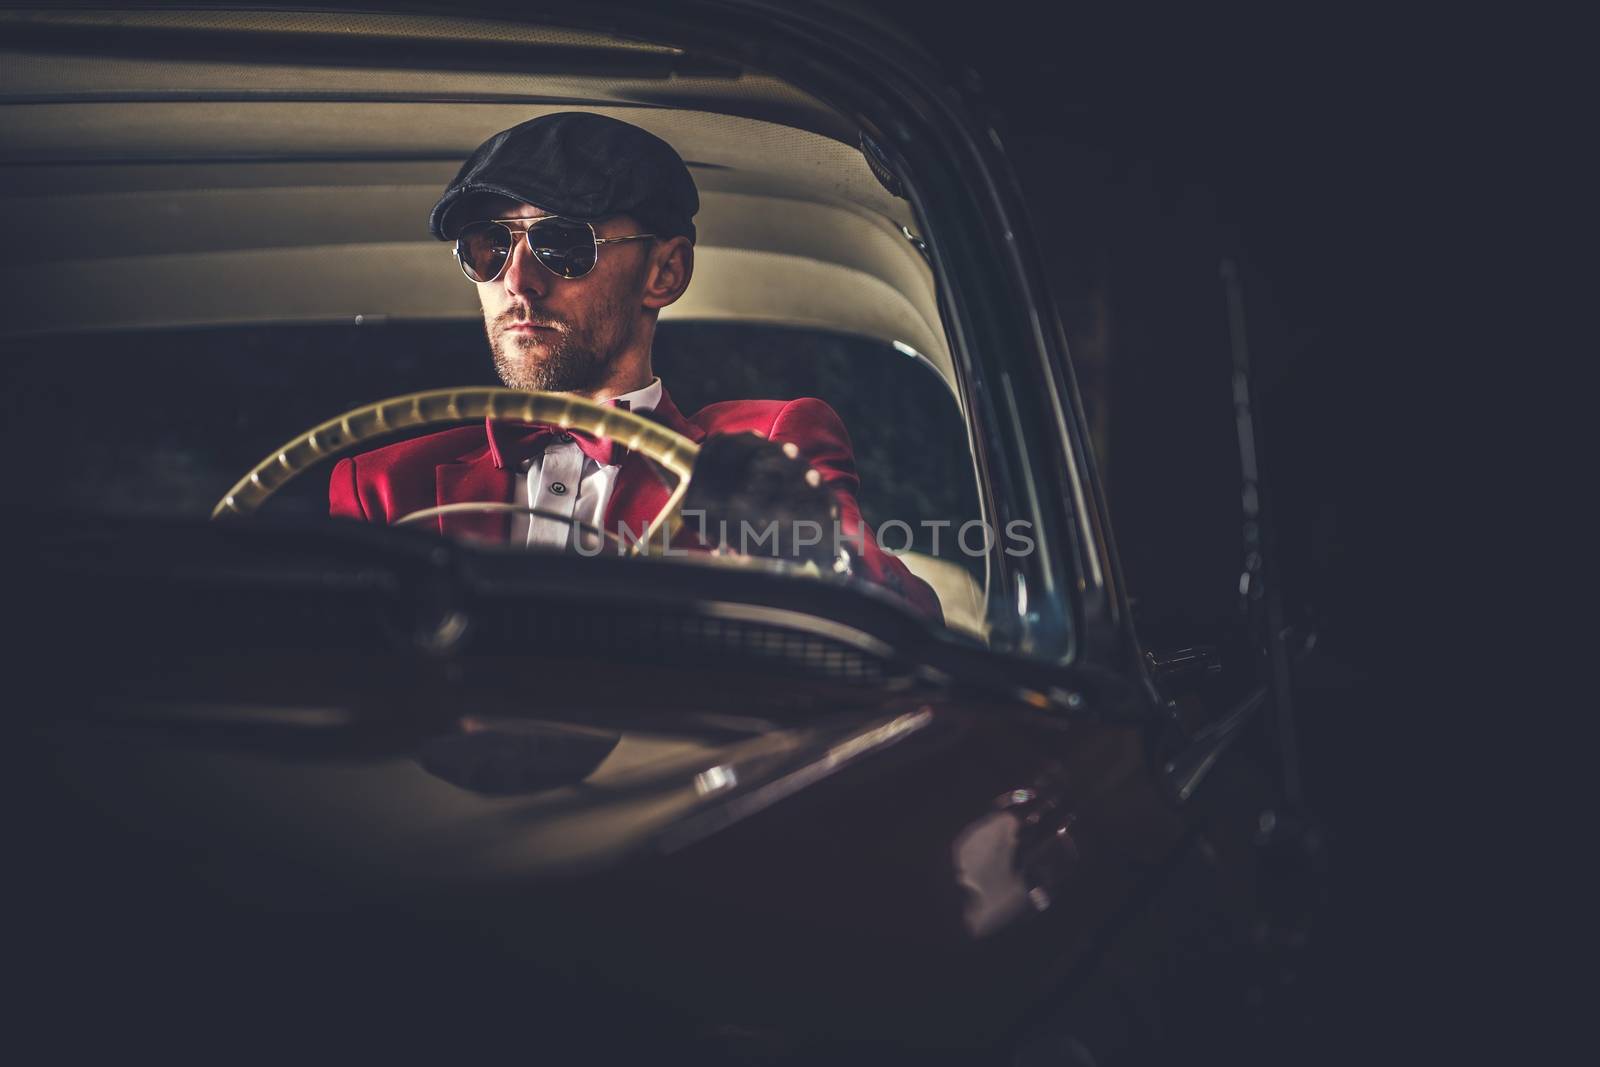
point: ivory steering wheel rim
(436, 407)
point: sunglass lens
(566, 247)
(483, 248)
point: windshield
(203, 405)
(217, 268)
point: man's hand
(764, 496)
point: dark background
(1152, 143)
(1318, 149)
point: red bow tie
(534, 437)
(602, 450)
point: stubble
(569, 357)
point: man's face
(563, 334)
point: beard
(569, 357)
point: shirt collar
(644, 399)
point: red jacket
(469, 464)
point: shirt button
(558, 488)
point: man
(578, 229)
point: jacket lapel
(667, 414)
(475, 481)
(642, 488)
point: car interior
(232, 206)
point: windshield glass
(218, 267)
(200, 406)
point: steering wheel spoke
(494, 506)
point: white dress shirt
(564, 481)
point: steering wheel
(667, 447)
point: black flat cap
(579, 165)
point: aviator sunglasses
(566, 248)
